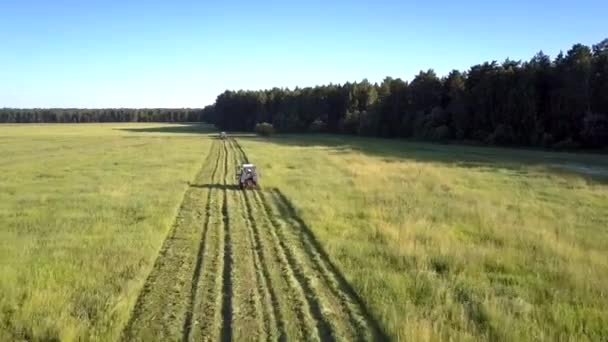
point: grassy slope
(83, 212)
(454, 242)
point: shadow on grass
(187, 128)
(589, 164)
(172, 128)
(592, 166)
(288, 210)
(228, 187)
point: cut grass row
(165, 305)
(338, 314)
(257, 276)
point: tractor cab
(247, 177)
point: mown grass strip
(208, 313)
(250, 249)
(308, 309)
(333, 310)
(274, 324)
(363, 325)
(275, 316)
(325, 330)
(250, 319)
(292, 293)
(163, 303)
(295, 295)
(199, 259)
(227, 308)
(366, 327)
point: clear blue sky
(184, 53)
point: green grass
(83, 212)
(438, 241)
(242, 265)
(451, 242)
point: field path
(242, 265)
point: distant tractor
(247, 177)
(223, 135)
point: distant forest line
(78, 115)
(558, 103)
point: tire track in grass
(199, 259)
(241, 151)
(266, 290)
(162, 304)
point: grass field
(83, 212)
(451, 242)
(137, 232)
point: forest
(544, 102)
(559, 103)
(76, 115)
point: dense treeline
(542, 102)
(65, 115)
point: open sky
(184, 53)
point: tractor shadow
(173, 128)
(227, 187)
(189, 128)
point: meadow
(449, 242)
(137, 232)
(83, 212)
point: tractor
(223, 135)
(247, 177)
